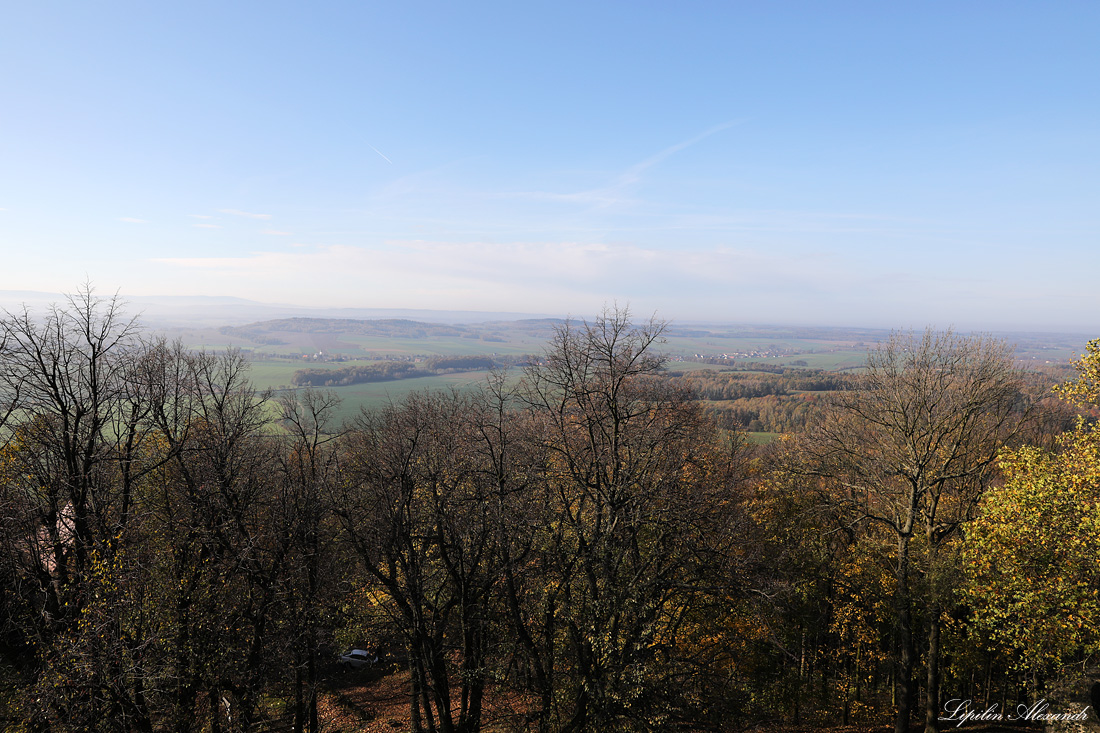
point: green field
(693, 366)
(278, 349)
(279, 373)
(826, 360)
(370, 396)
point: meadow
(278, 349)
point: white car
(358, 659)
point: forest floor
(377, 700)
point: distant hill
(174, 313)
(219, 310)
(392, 327)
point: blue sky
(875, 164)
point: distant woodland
(590, 544)
(388, 370)
(382, 327)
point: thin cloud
(526, 270)
(132, 220)
(633, 173)
(380, 153)
(614, 192)
(551, 277)
(247, 214)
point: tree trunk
(299, 702)
(414, 675)
(905, 696)
(215, 710)
(311, 704)
(932, 694)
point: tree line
(389, 370)
(580, 549)
(739, 384)
(781, 400)
(357, 374)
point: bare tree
(153, 525)
(421, 506)
(309, 471)
(635, 520)
(75, 445)
(909, 449)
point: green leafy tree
(1034, 582)
(1033, 579)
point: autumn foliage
(579, 547)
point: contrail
(380, 153)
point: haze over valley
(569, 367)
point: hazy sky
(872, 163)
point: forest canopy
(582, 546)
